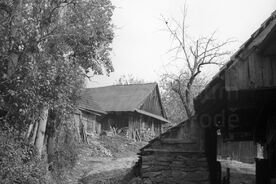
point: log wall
(175, 167)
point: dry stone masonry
(175, 158)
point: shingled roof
(88, 103)
(120, 97)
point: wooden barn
(240, 101)
(87, 117)
(135, 108)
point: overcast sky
(140, 45)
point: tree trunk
(28, 133)
(41, 129)
(34, 133)
(50, 148)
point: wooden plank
(176, 141)
(255, 71)
(267, 72)
(273, 68)
(170, 150)
(243, 74)
(232, 78)
(237, 77)
(229, 85)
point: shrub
(19, 162)
(65, 153)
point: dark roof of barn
(88, 103)
(120, 97)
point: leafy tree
(46, 49)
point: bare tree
(195, 54)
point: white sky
(140, 46)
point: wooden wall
(90, 123)
(138, 122)
(153, 104)
(117, 120)
(254, 72)
(135, 122)
(245, 151)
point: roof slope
(120, 97)
(87, 103)
(255, 41)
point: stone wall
(177, 167)
(174, 157)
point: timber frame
(240, 100)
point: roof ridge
(123, 85)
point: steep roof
(87, 103)
(257, 40)
(120, 97)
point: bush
(19, 162)
(65, 153)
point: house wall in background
(244, 151)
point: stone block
(151, 174)
(155, 168)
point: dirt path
(239, 172)
(96, 165)
(99, 165)
(107, 170)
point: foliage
(146, 134)
(65, 153)
(172, 103)
(19, 163)
(46, 49)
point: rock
(136, 180)
(152, 174)
(147, 181)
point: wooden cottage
(136, 108)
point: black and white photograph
(137, 92)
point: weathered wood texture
(90, 123)
(245, 151)
(134, 122)
(153, 104)
(174, 157)
(254, 72)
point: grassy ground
(105, 160)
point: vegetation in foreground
(47, 50)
